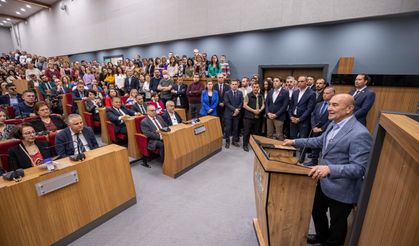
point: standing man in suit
(179, 94)
(221, 88)
(131, 82)
(320, 121)
(364, 98)
(116, 113)
(171, 117)
(310, 83)
(151, 126)
(76, 134)
(276, 110)
(346, 146)
(233, 100)
(302, 104)
(140, 106)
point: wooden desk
(184, 149)
(82, 108)
(105, 188)
(103, 129)
(284, 196)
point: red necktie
(157, 124)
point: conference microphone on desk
(76, 157)
(192, 121)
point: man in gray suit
(151, 127)
(346, 146)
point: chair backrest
(11, 112)
(4, 152)
(124, 99)
(13, 121)
(29, 119)
(138, 123)
(69, 97)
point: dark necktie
(142, 109)
(323, 108)
(80, 143)
(221, 89)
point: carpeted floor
(211, 204)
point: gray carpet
(211, 204)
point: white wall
(90, 25)
(6, 44)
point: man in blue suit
(233, 101)
(75, 135)
(276, 110)
(320, 121)
(302, 104)
(346, 146)
(364, 98)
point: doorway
(282, 71)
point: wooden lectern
(284, 194)
(388, 209)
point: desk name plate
(199, 130)
(56, 183)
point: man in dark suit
(140, 106)
(364, 98)
(151, 126)
(276, 110)
(130, 82)
(68, 141)
(179, 93)
(171, 117)
(320, 121)
(346, 146)
(302, 104)
(233, 100)
(310, 83)
(12, 98)
(116, 113)
(221, 88)
(78, 94)
(320, 85)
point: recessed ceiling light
(28, 6)
(3, 1)
(8, 19)
(5, 21)
(1, 24)
(1, 5)
(23, 9)
(17, 12)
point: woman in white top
(146, 87)
(173, 68)
(120, 78)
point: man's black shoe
(236, 144)
(312, 239)
(246, 148)
(145, 165)
(227, 145)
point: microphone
(305, 142)
(76, 157)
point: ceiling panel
(14, 11)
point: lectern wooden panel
(284, 195)
(388, 208)
(104, 188)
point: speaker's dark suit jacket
(64, 145)
(279, 107)
(363, 103)
(304, 107)
(149, 129)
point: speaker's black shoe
(312, 239)
(236, 144)
(246, 148)
(145, 165)
(227, 145)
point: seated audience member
(171, 117)
(140, 106)
(3, 89)
(78, 94)
(26, 108)
(30, 152)
(12, 98)
(98, 91)
(131, 99)
(155, 100)
(108, 99)
(76, 134)
(209, 100)
(61, 88)
(93, 103)
(6, 130)
(179, 94)
(46, 122)
(116, 113)
(254, 105)
(151, 126)
(46, 87)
